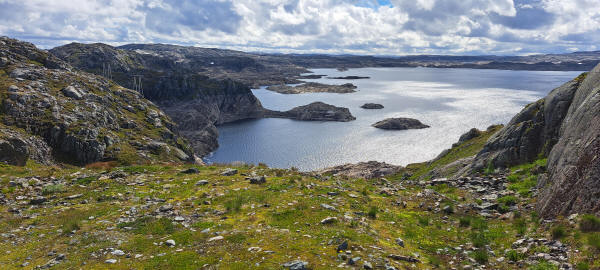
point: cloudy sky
(378, 27)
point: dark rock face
(372, 106)
(172, 77)
(400, 124)
(573, 182)
(531, 133)
(316, 111)
(50, 112)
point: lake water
(451, 101)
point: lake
(451, 101)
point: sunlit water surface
(451, 101)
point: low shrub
(559, 232)
(589, 223)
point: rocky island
(316, 111)
(350, 78)
(372, 106)
(312, 87)
(400, 124)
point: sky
(368, 27)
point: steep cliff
(532, 133)
(565, 128)
(50, 112)
(171, 77)
(573, 183)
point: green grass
(283, 216)
(51, 189)
(463, 150)
(559, 232)
(589, 223)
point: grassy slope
(289, 228)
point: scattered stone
(400, 242)
(216, 238)
(117, 252)
(165, 208)
(367, 265)
(353, 261)
(38, 200)
(329, 220)
(403, 258)
(72, 92)
(111, 261)
(229, 172)
(342, 247)
(257, 180)
(202, 183)
(170, 243)
(328, 207)
(296, 265)
(191, 171)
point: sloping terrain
(174, 81)
(51, 113)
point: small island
(350, 78)
(312, 87)
(372, 106)
(400, 124)
(316, 111)
(311, 76)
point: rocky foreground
(312, 87)
(254, 217)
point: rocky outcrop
(79, 118)
(17, 147)
(531, 133)
(573, 182)
(312, 87)
(366, 170)
(172, 78)
(400, 124)
(350, 78)
(316, 111)
(372, 106)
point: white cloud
(314, 26)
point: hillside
(53, 113)
(92, 176)
(254, 217)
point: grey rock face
(531, 132)
(574, 162)
(16, 148)
(400, 124)
(44, 121)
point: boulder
(366, 170)
(400, 124)
(72, 92)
